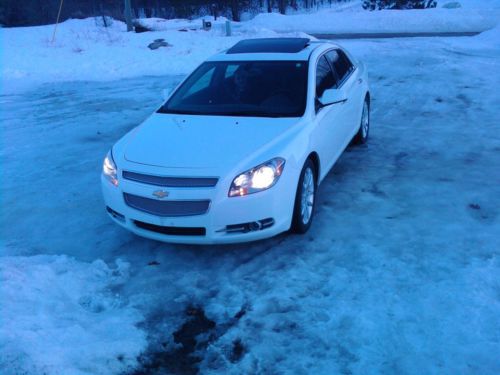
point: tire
(302, 216)
(361, 136)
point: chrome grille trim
(173, 208)
(181, 182)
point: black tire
(361, 136)
(299, 224)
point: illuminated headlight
(260, 178)
(109, 169)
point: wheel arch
(317, 165)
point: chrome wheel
(365, 120)
(307, 197)
(303, 208)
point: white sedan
(238, 150)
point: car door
(347, 80)
(330, 120)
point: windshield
(243, 88)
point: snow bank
(473, 4)
(489, 39)
(161, 24)
(84, 51)
(385, 21)
(486, 44)
(65, 317)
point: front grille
(181, 182)
(167, 208)
(172, 231)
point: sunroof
(269, 45)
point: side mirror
(333, 96)
(165, 94)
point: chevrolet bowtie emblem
(160, 194)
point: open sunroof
(269, 45)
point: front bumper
(220, 223)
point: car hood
(185, 141)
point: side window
(324, 77)
(203, 82)
(340, 63)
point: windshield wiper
(178, 112)
(229, 113)
(251, 114)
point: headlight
(109, 169)
(260, 178)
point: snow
(474, 4)
(62, 316)
(332, 21)
(84, 51)
(160, 24)
(399, 273)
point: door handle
(360, 80)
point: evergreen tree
(398, 4)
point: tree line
(398, 4)
(41, 12)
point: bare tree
(235, 10)
(282, 6)
(128, 15)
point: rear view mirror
(165, 93)
(333, 96)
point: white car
(238, 150)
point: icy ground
(399, 273)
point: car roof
(271, 49)
(269, 45)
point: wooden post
(128, 15)
(57, 22)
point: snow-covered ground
(399, 273)
(84, 51)
(62, 316)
